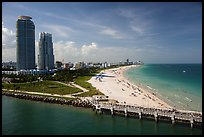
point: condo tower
(25, 39)
(45, 57)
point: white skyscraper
(45, 57)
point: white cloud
(141, 26)
(136, 12)
(21, 7)
(59, 30)
(111, 32)
(139, 30)
(86, 50)
(126, 13)
(8, 37)
(139, 20)
(8, 44)
(9, 54)
(66, 51)
(105, 30)
(70, 52)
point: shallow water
(180, 85)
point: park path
(75, 85)
(38, 93)
(56, 95)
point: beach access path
(119, 88)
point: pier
(173, 115)
(192, 118)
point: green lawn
(51, 87)
(67, 98)
(82, 81)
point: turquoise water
(180, 85)
(24, 117)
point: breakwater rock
(56, 100)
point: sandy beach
(116, 86)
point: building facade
(25, 39)
(46, 56)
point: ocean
(25, 117)
(180, 85)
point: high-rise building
(25, 39)
(45, 57)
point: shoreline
(163, 98)
(85, 103)
(195, 119)
(130, 115)
(163, 114)
(116, 86)
(121, 89)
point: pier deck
(173, 115)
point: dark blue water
(178, 84)
(20, 117)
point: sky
(152, 32)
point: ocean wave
(186, 98)
(176, 95)
(180, 103)
(149, 87)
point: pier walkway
(173, 115)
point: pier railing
(172, 114)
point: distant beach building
(79, 65)
(45, 57)
(25, 39)
(139, 63)
(59, 64)
(105, 65)
(127, 61)
(68, 65)
(8, 65)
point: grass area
(82, 81)
(50, 87)
(67, 98)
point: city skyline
(167, 32)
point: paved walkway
(77, 86)
(74, 85)
(38, 93)
(56, 95)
